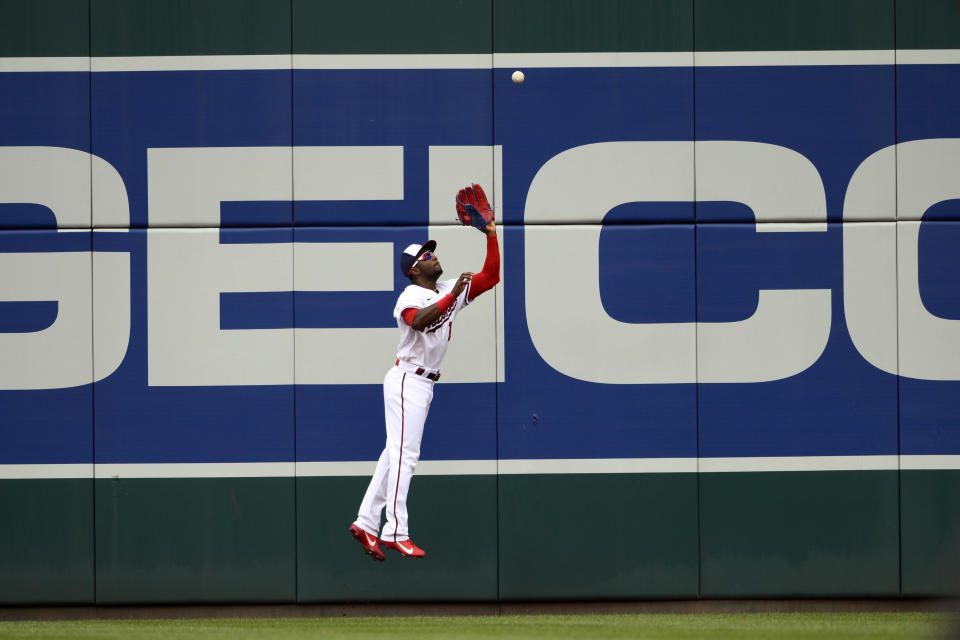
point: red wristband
(445, 302)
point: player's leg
(416, 398)
(368, 517)
(375, 498)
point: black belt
(420, 371)
(428, 376)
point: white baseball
(517, 77)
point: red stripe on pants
(396, 523)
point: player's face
(430, 267)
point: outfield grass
(872, 626)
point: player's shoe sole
(370, 547)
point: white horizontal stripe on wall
(482, 467)
(792, 58)
(191, 63)
(594, 59)
(393, 61)
(45, 471)
(350, 468)
(424, 468)
(599, 465)
(928, 56)
(597, 59)
(929, 462)
(197, 470)
(799, 463)
(44, 64)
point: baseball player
(424, 313)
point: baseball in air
(517, 77)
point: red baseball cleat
(368, 541)
(406, 548)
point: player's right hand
(461, 283)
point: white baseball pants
(406, 401)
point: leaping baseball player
(425, 312)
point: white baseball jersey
(426, 348)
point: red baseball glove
(473, 209)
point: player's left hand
(462, 282)
(473, 208)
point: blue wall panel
(135, 111)
(43, 109)
(841, 405)
(552, 415)
(410, 108)
(929, 411)
(928, 99)
(835, 116)
(139, 422)
(546, 115)
(44, 424)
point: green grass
(875, 626)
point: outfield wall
(723, 361)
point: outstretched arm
(479, 282)
(490, 275)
